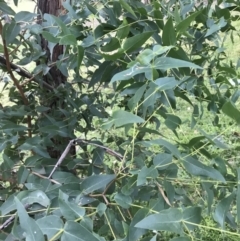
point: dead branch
(78, 141)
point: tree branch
(23, 73)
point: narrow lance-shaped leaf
(166, 63)
(121, 117)
(184, 24)
(196, 168)
(231, 110)
(136, 41)
(6, 9)
(127, 7)
(167, 220)
(80, 57)
(215, 27)
(123, 29)
(68, 40)
(135, 233)
(222, 208)
(215, 140)
(169, 35)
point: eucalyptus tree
(96, 140)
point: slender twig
(163, 194)
(108, 150)
(41, 176)
(62, 157)
(78, 140)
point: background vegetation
(131, 132)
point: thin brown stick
(62, 157)
(163, 194)
(78, 140)
(108, 150)
(41, 176)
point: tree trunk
(54, 76)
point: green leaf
(133, 102)
(11, 31)
(60, 23)
(145, 173)
(165, 63)
(184, 24)
(32, 232)
(192, 215)
(123, 200)
(24, 16)
(80, 56)
(215, 27)
(166, 83)
(169, 35)
(162, 160)
(22, 174)
(123, 29)
(136, 41)
(13, 127)
(68, 40)
(167, 220)
(36, 196)
(127, 7)
(231, 110)
(31, 144)
(121, 117)
(50, 225)
(158, 18)
(69, 6)
(172, 121)
(129, 73)
(94, 183)
(145, 57)
(135, 233)
(214, 140)
(196, 168)
(76, 232)
(70, 211)
(114, 55)
(172, 148)
(101, 208)
(6, 9)
(102, 74)
(49, 37)
(112, 45)
(222, 208)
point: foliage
(135, 175)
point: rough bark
(54, 77)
